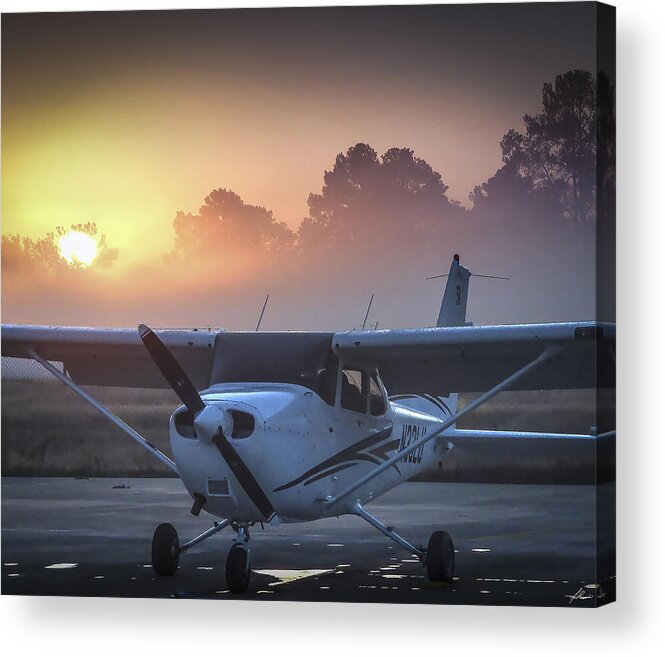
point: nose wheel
(237, 569)
(165, 550)
(237, 562)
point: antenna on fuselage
(369, 305)
(265, 303)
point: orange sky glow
(124, 119)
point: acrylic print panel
(310, 304)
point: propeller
(171, 369)
(212, 424)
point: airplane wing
(474, 358)
(111, 357)
(428, 360)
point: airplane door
(362, 404)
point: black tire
(237, 569)
(440, 558)
(165, 550)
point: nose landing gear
(237, 561)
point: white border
(79, 626)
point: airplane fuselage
(301, 450)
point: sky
(126, 118)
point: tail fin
(452, 313)
(453, 306)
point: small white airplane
(296, 426)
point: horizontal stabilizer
(482, 434)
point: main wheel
(165, 549)
(440, 558)
(237, 569)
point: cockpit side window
(354, 390)
(377, 400)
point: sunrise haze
(126, 118)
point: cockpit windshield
(377, 398)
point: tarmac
(515, 544)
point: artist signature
(587, 592)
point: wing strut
(134, 435)
(387, 531)
(547, 354)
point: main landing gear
(166, 551)
(439, 557)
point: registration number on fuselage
(411, 433)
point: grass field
(48, 430)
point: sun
(77, 248)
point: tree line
(550, 175)
(553, 173)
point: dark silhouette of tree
(43, 254)
(552, 164)
(606, 156)
(366, 198)
(606, 199)
(225, 222)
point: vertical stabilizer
(453, 306)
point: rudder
(453, 305)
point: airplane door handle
(360, 424)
